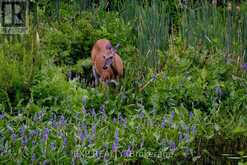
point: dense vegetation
(182, 98)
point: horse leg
(96, 76)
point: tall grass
(214, 27)
(19, 62)
(152, 31)
(202, 23)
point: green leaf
(239, 130)
(204, 74)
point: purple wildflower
(45, 162)
(173, 146)
(114, 120)
(46, 134)
(187, 137)
(36, 132)
(54, 116)
(13, 137)
(33, 142)
(190, 115)
(193, 129)
(22, 131)
(53, 121)
(115, 144)
(53, 146)
(84, 111)
(125, 122)
(141, 115)
(24, 141)
(163, 122)
(218, 91)
(1, 116)
(10, 129)
(154, 77)
(65, 141)
(33, 133)
(97, 153)
(102, 112)
(94, 129)
(60, 134)
(93, 112)
(69, 75)
(120, 119)
(84, 100)
(38, 116)
(244, 66)
(102, 109)
(127, 153)
(89, 140)
(172, 115)
(62, 121)
(116, 137)
(54, 124)
(172, 118)
(85, 130)
(187, 129)
(114, 147)
(82, 136)
(33, 157)
(180, 137)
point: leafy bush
(52, 89)
(17, 69)
(193, 79)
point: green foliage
(195, 80)
(52, 89)
(17, 69)
(67, 44)
(152, 23)
(215, 28)
(181, 96)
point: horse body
(107, 64)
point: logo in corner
(13, 16)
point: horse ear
(117, 46)
(114, 50)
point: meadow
(182, 100)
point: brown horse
(107, 64)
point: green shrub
(51, 88)
(17, 69)
(193, 79)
